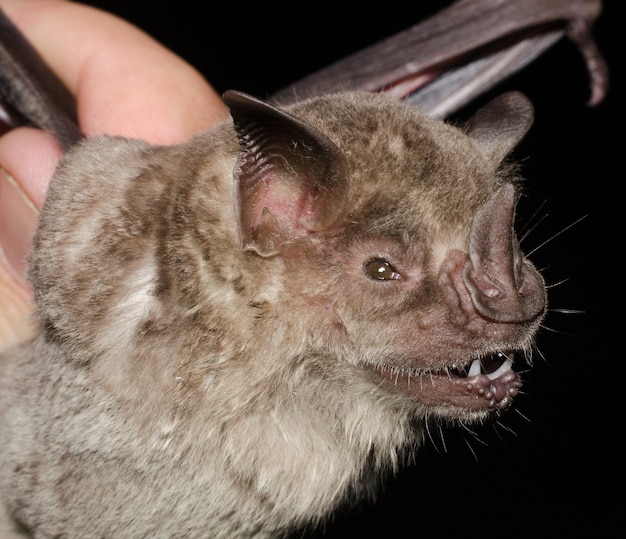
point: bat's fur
(216, 361)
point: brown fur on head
(239, 329)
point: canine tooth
(506, 365)
(474, 368)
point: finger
(30, 156)
(16, 321)
(125, 82)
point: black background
(553, 466)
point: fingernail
(18, 221)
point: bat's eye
(381, 270)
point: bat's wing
(438, 65)
(30, 93)
(445, 61)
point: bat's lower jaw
(479, 389)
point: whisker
(506, 428)
(525, 418)
(443, 441)
(556, 235)
(535, 353)
(566, 311)
(430, 436)
(529, 226)
(472, 433)
(558, 331)
(469, 445)
(558, 283)
(542, 356)
(496, 430)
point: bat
(305, 235)
(238, 361)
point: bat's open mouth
(484, 384)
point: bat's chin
(484, 385)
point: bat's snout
(504, 286)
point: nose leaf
(504, 286)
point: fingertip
(30, 157)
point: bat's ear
(290, 178)
(498, 126)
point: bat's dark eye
(381, 270)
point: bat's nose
(504, 286)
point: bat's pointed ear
(290, 178)
(498, 126)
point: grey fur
(216, 361)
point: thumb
(28, 158)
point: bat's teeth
(506, 366)
(474, 368)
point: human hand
(125, 83)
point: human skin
(125, 83)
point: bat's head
(396, 238)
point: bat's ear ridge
(498, 126)
(290, 178)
